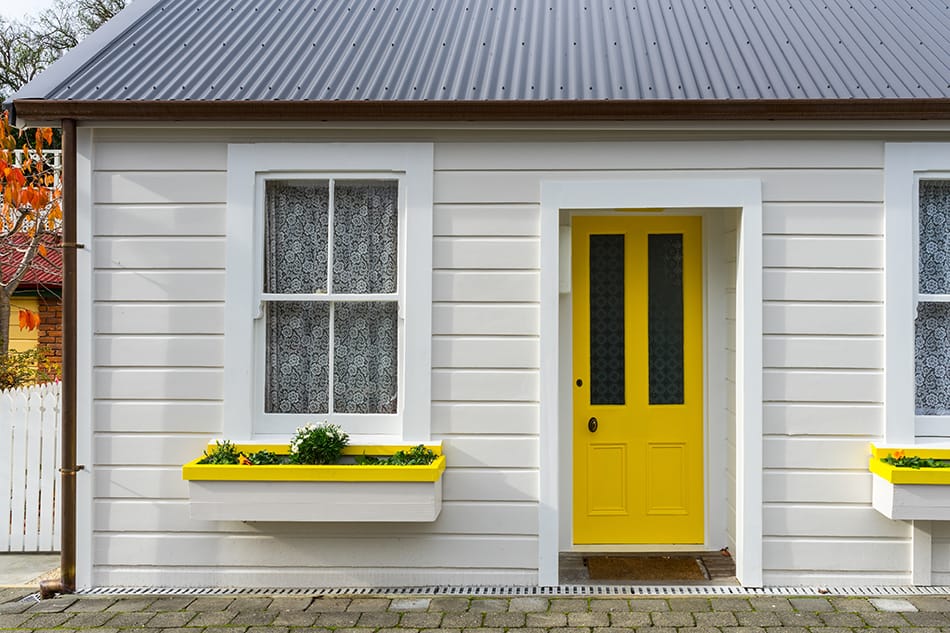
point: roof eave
(41, 111)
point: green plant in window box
(415, 456)
(900, 460)
(317, 444)
(222, 453)
(265, 457)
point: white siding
(940, 552)
(823, 319)
(158, 252)
(823, 391)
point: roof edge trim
(59, 71)
(38, 110)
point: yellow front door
(638, 380)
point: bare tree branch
(29, 46)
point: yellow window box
(910, 493)
(339, 492)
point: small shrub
(32, 367)
(318, 444)
(221, 453)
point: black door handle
(592, 425)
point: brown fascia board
(659, 110)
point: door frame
(685, 195)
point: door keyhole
(592, 425)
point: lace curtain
(364, 373)
(932, 342)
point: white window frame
(905, 165)
(250, 166)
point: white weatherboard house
(654, 275)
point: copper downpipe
(68, 468)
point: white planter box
(315, 500)
(920, 502)
(370, 493)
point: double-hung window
(917, 306)
(328, 289)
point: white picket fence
(29, 468)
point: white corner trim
(749, 522)
(85, 524)
(745, 194)
(63, 68)
(246, 162)
(903, 163)
(416, 423)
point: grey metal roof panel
(522, 50)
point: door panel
(637, 357)
(607, 462)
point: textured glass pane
(932, 355)
(934, 231)
(365, 236)
(365, 357)
(607, 369)
(665, 330)
(298, 358)
(295, 242)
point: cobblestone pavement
(322, 614)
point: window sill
(909, 493)
(316, 493)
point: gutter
(68, 466)
(37, 110)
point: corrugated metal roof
(520, 50)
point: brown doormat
(644, 568)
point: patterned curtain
(365, 226)
(932, 344)
(295, 262)
(295, 249)
(298, 357)
(365, 251)
(365, 334)
(365, 361)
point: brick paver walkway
(246, 614)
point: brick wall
(51, 327)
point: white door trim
(744, 194)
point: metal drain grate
(515, 590)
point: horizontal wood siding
(940, 552)
(823, 393)
(823, 323)
(158, 253)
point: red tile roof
(46, 271)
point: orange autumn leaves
(28, 184)
(29, 205)
(29, 320)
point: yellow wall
(22, 340)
